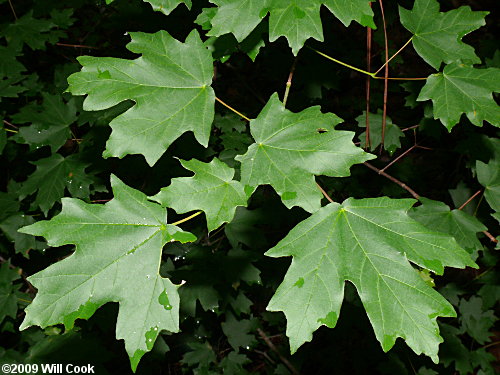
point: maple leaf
(117, 259)
(9, 291)
(169, 84)
(462, 89)
(437, 216)
(37, 32)
(52, 176)
(392, 133)
(369, 242)
(49, 122)
(437, 37)
(212, 190)
(488, 175)
(296, 20)
(290, 148)
(164, 6)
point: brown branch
(395, 180)
(410, 127)
(368, 81)
(75, 45)
(386, 75)
(399, 157)
(8, 123)
(470, 199)
(13, 10)
(491, 238)
(285, 361)
(325, 194)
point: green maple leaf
(164, 6)
(296, 20)
(37, 32)
(290, 148)
(392, 133)
(22, 242)
(8, 291)
(463, 89)
(488, 175)
(169, 84)
(474, 320)
(117, 259)
(52, 176)
(369, 242)
(212, 190)
(49, 122)
(437, 216)
(437, 37)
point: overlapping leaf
(296, 20)
(392, 133)
(437, 37)
(212, 189)
(52, 176)
(369, 242)
(290, 148)
(164, 6)
(169, 84)
(462, 89)
(117, 259)
(49, 122)
(489, 176)
(36, 32)
(437, 216)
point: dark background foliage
(224, 325)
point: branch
(325, 194)
(386, 75)
(285, 361)
(395, 180)
(289, 82)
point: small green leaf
(117, 258)
(437, 216)
(212, 189)
(52, 176)
(437, 37)
(392, 133)
(49, 122)
(488, 175)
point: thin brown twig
(13, 10)
(424, 148)
(75, 45)
(324, 193)
(289, 81)
(285, 361)
(395, 180)
(409, 128)
(402, 78)
(470, 199)
(368, 81)
(399, 157)
(8, 123)
(386, 75)
(491, 238)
